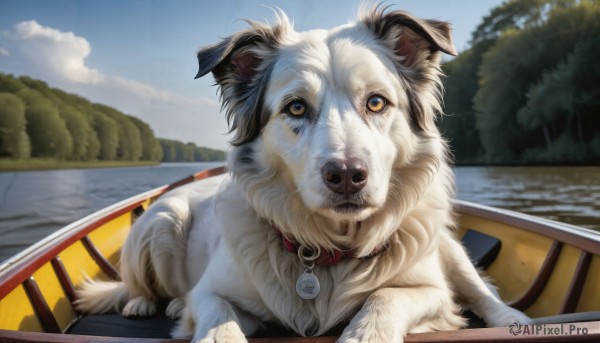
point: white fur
(214, 238)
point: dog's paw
(175, 308)
(185, 325)
(139, 307)
(507, 316)
(228, 332)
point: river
(35, 204)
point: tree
(107, 132)
(57, 124)
(515, 14)
(516, 63)
(47, 132)
(14, 142)
(207, 154)
(151, 148)
(84, 106)
(563, 106)
(32, 96)
(43, 88)
(489, 86)
(169, 152)
(9, 84)
(79, 128)
(461, 85)
(130, 141)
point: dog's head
(330, 114)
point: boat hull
(543, 268)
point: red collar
(326, 258)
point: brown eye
(296, 108)
(376, 104)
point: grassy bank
(47, 164)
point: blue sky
(139, 56)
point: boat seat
(481, 248)
(115, 325)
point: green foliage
(151, 150)
(461, 85)
(14, 142)
(566, 101)
(107, 132)
(130, 142)
(169, 150)
(9, 84)
(32, 96)
(129, 146)
(39, 121)
(93, 143)
(534, 79)
(79, 128)
(23, 148)
(42, 88)
(47, 131)
(595, 145)
(565, 149)
(511, 70)
(175, 151)
(515, 14)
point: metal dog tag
(308, 286)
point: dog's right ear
(241, 65)
(232, 56)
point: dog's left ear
(414, 39)
(417, 44)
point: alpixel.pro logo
(547, 329)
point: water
(35, 204)
(565, 194)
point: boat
(548, 269)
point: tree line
(176, 151)
(39, 121)
(527, 91)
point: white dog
(339, 203)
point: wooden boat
(549, 270)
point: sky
(139, 56)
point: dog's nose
(345, 177)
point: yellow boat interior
(547, 269)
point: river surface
(35, 204)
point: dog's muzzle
(345, 178)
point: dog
(338, 206)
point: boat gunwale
(496, 334)
(579, 237)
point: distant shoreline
(33, 164)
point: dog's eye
(376, 103)
(296, 108)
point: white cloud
(59, 58)
(4, 52)
(62, 52)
